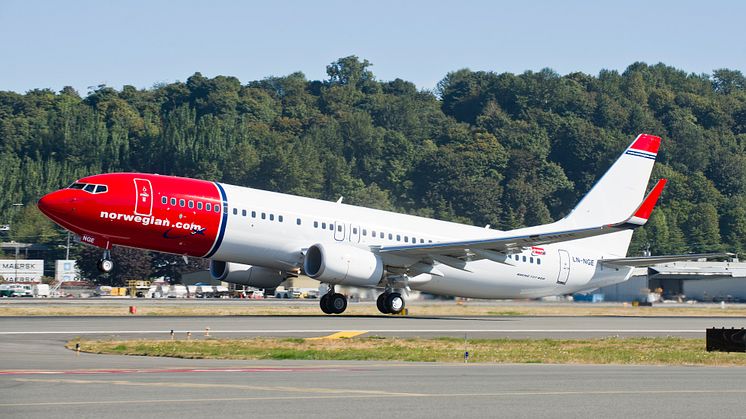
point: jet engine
(253, 276)
(337, 263)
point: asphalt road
(41, 379)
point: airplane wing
(497, 248)
(643, 261)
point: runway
(405, 326)
(41, 379)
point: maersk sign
(26, 270)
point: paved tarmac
(309, 326)
(41, 379)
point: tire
(394, 303)
(325, 306)
(337, 303)
(381, 303)
(105, 265)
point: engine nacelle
(253, 276)
(337, 263)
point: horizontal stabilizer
(643, 261)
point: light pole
(15, 265)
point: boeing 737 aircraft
(259, 238)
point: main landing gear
(333, 302)
(105, 264)
(390, 303)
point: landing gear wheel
(381, 303)
(338, 303)
(394, 303)
(325, 306)
(105, 265)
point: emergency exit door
(564, 267)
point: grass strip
(611, 350)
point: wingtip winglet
(643, 212)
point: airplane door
(354, 233)
(564, 267)
(143, 197)
(339, 231)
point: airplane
(260, 238)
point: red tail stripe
(647, 142)
(646, 208)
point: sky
(52, 44)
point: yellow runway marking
(341, 335)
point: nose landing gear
(105, 264)
(333, 302)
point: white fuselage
(273, 230)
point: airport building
(682, 281)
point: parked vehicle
(41, 290)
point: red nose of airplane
(53, 204)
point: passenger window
(331, 227)
(323, 225)
(191, 204)
(354, 230)
(279, 218)
(339, 227)
(208, 207)
(297, 221)
(217, 208)
(89, 188)
(101, 189)
(271, 217)
(398, 237)
(391, 236)
(264, 216)
(381, 235)
(429, 241)
(243, 213)
(235, 211)
(253, 214)
(524, 258)
(538, 261)
(422, 240)
(365, 232)
(199, 205)
(182, 202)
(315, 224)
(164, 200)
(531, 260)
(173, 201)
(406, 239)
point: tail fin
(617, 194)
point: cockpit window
(89, 187)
